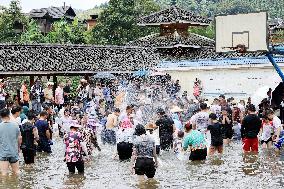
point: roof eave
(177, 22)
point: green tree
(117, 24)
(65, 32)
(32, 34)
(11, 19)
(207, 32)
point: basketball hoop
(240, 48)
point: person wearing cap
(48, 94)
(250, 128)
(166, 130)
(24, 94)
(176, 117)
(152, 130)
(74, 149)
(29, 137)
(144, 157)
(37, 96)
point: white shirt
(124, 135)
(267, 129)
(201, 120)
(216, 109)
(155, 136)
(65, 123)
(276, 123)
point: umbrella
(141, 73)
(259, 95)
(104, 75)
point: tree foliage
(32, 34)
(117, 24)
(65, 32)
(10, 18)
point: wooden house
(45, 17)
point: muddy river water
(103, 172)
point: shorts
(250, 144)
(228, 133)
(10, 159)
(78, 165)
(198, 154)
(266, 142)
(124, 150)
(145, 166)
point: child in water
(178, 145)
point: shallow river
(104, 172)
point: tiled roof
(157, 41)
(73, 59)
(173, 14)
(54, 12)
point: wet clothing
(89, 136)
(166, 130)
(43, 144)
(227, 129)
(201, 120)
(108, 136)
(216, 134)
(124, 150)
(145, 166)
(9, 134)
(198, 154)
(28, 147)
(73, 152)
(250, 126)
(267, 132)
(250, 144)
(195, 139)
(72, 166)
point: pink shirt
(59, 99)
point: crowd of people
(142, 119)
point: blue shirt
(42, 127)
(9, 134)
(195, 139)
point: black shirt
(66, 89)
(216, 134)
(165, 125)
(226, 125)
(250, 126)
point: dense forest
(117, 22)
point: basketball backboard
(249, 31)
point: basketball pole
(276, 67)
